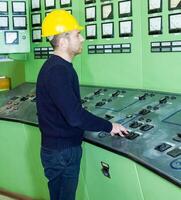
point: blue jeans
(62, 170)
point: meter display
(155, 25)
(3, 7)
(49, 4)
(36, 19)
(36, 35)
(65, 3)
(91, 31)
(107, 11)
(4, 23)
(19, 22)
(125, 8)
(125, 28)
(11, 37)
(19, 7)
(174, 23)
(89, 1)
(35, 5)
(107, 30)
(69, 10)
(174, 4)
(154, 6)
(90, 14)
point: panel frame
(18, 13)
(126, 14)
(126, 34)
(169, 28)
(91, 37)
(156, 10)
(112, 16)
(5, 28)
(50, 7)
(19, 28)
(36, 40)
(65, 5)
(36, 25)
(107, 36)
(155, 32)
(169, 6)
(36, 9)
(4, 13)
(11, 32)
(90, 19)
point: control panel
(152, 119)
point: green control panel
(14, 26)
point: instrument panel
(152, 119)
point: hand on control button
(119, 129)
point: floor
(5, 198)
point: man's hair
(54, 40)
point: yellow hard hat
(59, 21)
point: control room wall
(15, 70)
(161, 71)
(138, 69)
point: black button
(141, 119)
(173, 97)
(175, 152)
(131, 135)
(108, 117)
(148, 120)
(155, 107)
(129, 115)
(144, 111)
(23, 99)
(164, 100)
(135, 124)
(163, 147)
(100, 103)
(146, 127)
(149, 107)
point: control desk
(153, 120)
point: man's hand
(119, 129)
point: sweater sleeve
(58, 85)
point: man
(62, 120)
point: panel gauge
(4, 23)
(91, 31)
(89, 1)
(174, 4)
(65, 3)
(19, 7)
(154, 6)
(19, 22)
(155, 25)
(90, 14)
(49, 4)
(125, 8)
(36, 35)
(175, 23)
(3, 7)
(125, 28)
(35, 5)
(107, 11)
(105, 0)
(108, 30)
(11, 37)
(36, 19)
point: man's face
(75, 42)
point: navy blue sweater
(62, 120)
